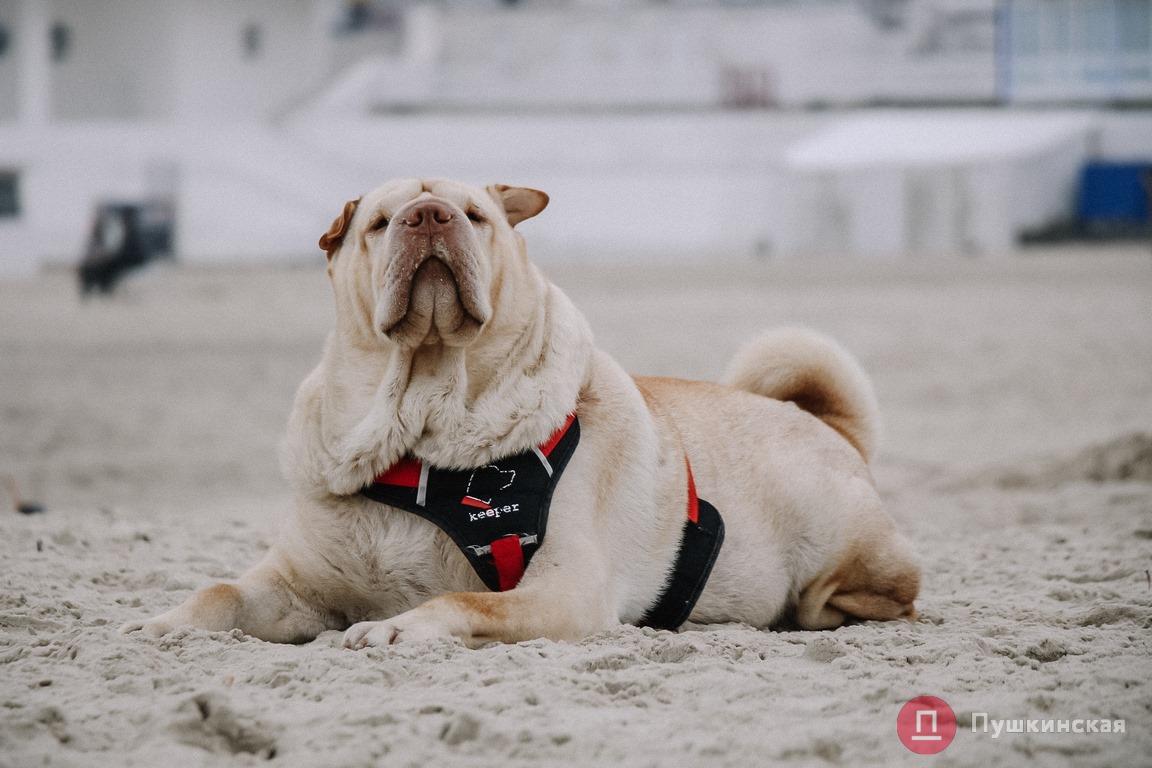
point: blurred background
(232, 130)
(955, 189)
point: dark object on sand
(125, 236)
(1114, 202)
(19, 505)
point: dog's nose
(431, 211)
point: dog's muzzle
(431, 289)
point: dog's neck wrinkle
(456, 407)
(508, 346)
(512, 347)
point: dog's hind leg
(261, 604)
(877, 578)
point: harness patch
(497, 513)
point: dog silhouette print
(485, 483)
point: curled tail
(817, 374)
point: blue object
(1115, 193)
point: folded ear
(519, 203)
(330, 241)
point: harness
(497, 514)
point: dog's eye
(475, 217)
(379, 225)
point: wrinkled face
(416, 260)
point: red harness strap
(405, 473)
(550, 444)
(693, 499)
(508, 555)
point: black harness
(498, 513)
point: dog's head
(417, 262)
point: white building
(259, 117)
(947, 183)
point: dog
(451, 350)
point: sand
(1018, 403)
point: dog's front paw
(156, 627)
(406, 628)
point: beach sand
(1017, 455)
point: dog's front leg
(558, 601)
(476, 618)
(261, 604)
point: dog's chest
(386, 561)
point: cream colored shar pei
(461, 410)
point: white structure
(120, 99)
(259, 117)
(165, 60)
(703, 55)
(941, 183)
(1081, 51)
